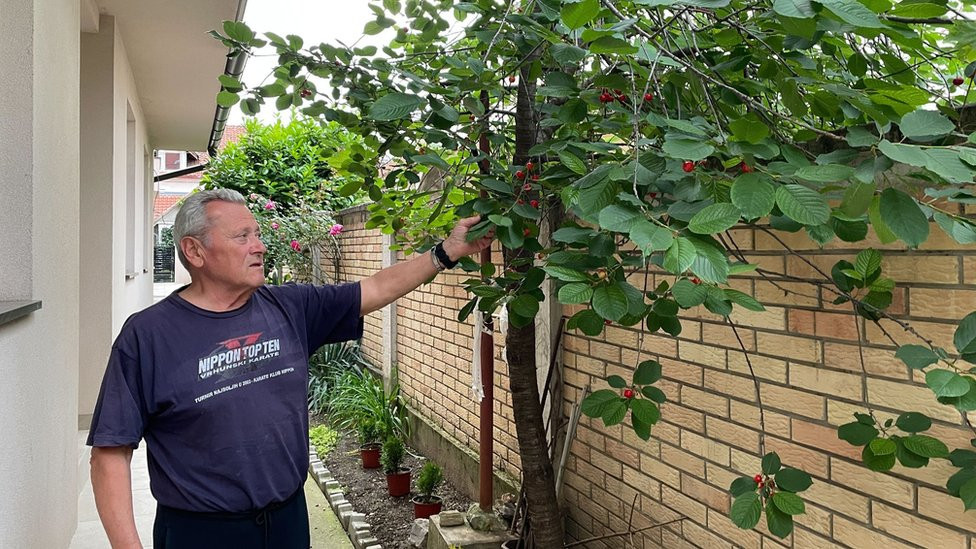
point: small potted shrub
(426, 503)
(369, 448)
(397, 477)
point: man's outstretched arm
(394, 282)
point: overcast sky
(315, 21)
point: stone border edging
(355, 523)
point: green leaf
(572, 234)
(912, 155)
(619, 218)
(967, 493)
(688, 294)
(610, 302)
(916, 356)
(654, 394)
(572, 162)
(595, 403)
(749, 128)
(236, 30)
(771, 463)
(710, 264)
(524, 305)
(746, 511)
(616, 382)
(567, 54)
(926, 446)
(853, 12)
(880, 227)
(779, 523)
(882, 446)
(650, 237)
(574, 293)
(394, 106)
(921, 10)
(227, 99)
(925, 125)
(500, 220)
(793, 480)
(875, 462)
(576, 15)
(799, 9)
(908, 458)
(959, 479)
(742, 485)
(614, 413)
(828, 173)
(913, 422)
(856, 433)
(565, 274)
(612, 44)
(753, 195)
(645, 411)
(902, 215)
(789, 503)
(744, 300)
(686, 149)
(714, 219)
(965, 336)
(945, 383)
(802, 205)
(680, 256)
(647, 372)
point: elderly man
(214, 377)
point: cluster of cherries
(688, 166)
(618, 95)
(521, 175)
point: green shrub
(430, 478)
(392, 455)
(325, 368)
(366, 432)
(359, 397)
(324, 439)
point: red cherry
(628, 393)
(534, 203)
(520, 174)
(652, 195)
(306, 92)
(696, 280)
(688, 166)
(529, 166)
(623, 98)
(648, 97)
(607, 322)
(471, 117)
(957, 81)
(541, 256)
(527, 187)
(758, 479)
(526, 231)
(618, 92)
(520, 201)
(535, 177)
(511, 78)
(746, 168)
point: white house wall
(39, 161)
(110, 290)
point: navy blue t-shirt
(221, 398)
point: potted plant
(426, 503)
(369, 448)
(397, 477)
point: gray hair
(192, 218)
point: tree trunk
(538, 480)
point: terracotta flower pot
(370, 453)
(423, 508)
(399, 482)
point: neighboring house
(91, 89)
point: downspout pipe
(486, 453)
(233, 68)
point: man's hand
(457, 246)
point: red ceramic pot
(370, 453)
(422, 508)
(399, 482)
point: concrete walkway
(326, 530)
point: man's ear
(194, 251)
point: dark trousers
(279, 526)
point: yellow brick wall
(803, 350)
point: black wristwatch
(441, 259)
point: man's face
(235, 254)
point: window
(172, 161)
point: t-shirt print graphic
(236, 356)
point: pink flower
(336, 229)
(295, 245)
(274, 226)
(270, 205)
(254, 196)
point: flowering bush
(291, 236)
